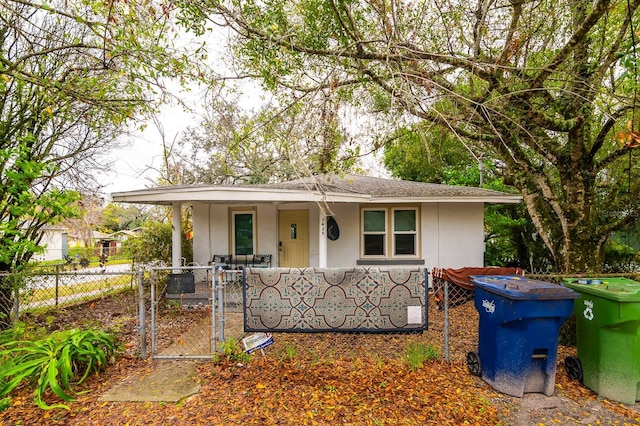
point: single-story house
(331, 221)
(111, 244)
(54, 241)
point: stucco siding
(452, 233)
(461, 235)
(345, 250)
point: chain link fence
(42, 291)
(188, 312)
(193, 309)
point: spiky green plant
(56, 362)
(418, 353)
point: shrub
(55, 362)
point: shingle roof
(380, 187)
(320, 188)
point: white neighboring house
(54, 241)
(380, 221)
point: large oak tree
(548, 85)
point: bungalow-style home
(331, 221)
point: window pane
(244, 233)
(405, 243)
(404, 220)
(374, 245)
(374, 221)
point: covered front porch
(329, 221)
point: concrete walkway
(172, 380)
(163, 381)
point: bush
(55, 362)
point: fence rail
(57, 289)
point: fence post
(221, 318)
(141, 315)
(57, 282)
(446, 320)
(214, 280)
(153, 312)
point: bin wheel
(473, 362)
(573, 366)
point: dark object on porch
(463, 288)
(229, 261)
(181, 283)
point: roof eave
(233, 195)
(508, 199)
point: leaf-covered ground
(327, 379)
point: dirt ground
(321, 378)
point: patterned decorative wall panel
(335, 299)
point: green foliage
(620, 257)
(153, 243)
(55, 363)
(430, 156)
(74, 75)
(503, 79)
(289, 352)
(24, 209)
(437, 157)
(232, 351)
(116, 217)
(5, 403)
(418, 353)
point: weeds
(232, 351)
(418, 353)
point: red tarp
(461, 278)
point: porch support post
(176, 243)
(322, 239)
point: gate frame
(215, 283)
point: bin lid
(522, 288)
(616, 288)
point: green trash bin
(608, 337)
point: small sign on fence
(257, 341)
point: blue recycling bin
(519, 324)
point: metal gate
(188, 310)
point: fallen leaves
(335, 379)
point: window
(390, 232)
(404, 232)
(243, 233)
(374, 232)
